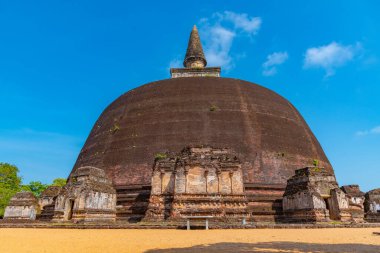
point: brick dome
(266, 132)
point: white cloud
(242, 21)
(219, 32)
(276, 58)
(270, 71)
(273, 60)
(375, 130)
(330, 57)
(218, 45)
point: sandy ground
(153, 241)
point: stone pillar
(231, 173)
(162, 174)
(206, 174)
(186, 171)
(218, 173)
(174, 175)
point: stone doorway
(69, 209)
(328, 208)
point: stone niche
(199, 181)
(356, 201)
(22, 206)
(47, 202)
(313, 195)
(372, 206)
(87, 197)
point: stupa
(198, 108)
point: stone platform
(180, 225)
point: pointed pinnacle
(195, 57)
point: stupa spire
(195, 60)
(195, 57)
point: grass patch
(213, 108)
(160, 156)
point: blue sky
(63, 62)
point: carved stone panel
(212, 181)
(167, 182)
(156, 182)
(197, 181)
(225, 182)
(180, 180)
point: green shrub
(115, 128)
(213, 108)
(160, 156)
(10, 184)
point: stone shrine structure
(356, 201)
(313, 195)
(22, 206)
(88, 196)
(372, 206)
(199, 181)
(47, 201)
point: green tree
(59, 182)
(36, 187)
(10, 184)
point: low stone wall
(181, 225)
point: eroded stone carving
(22, 206)
(88, 196)
(356, 201)
(313, 195)
(372, 206)
(196, 182)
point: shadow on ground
(273, 247)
